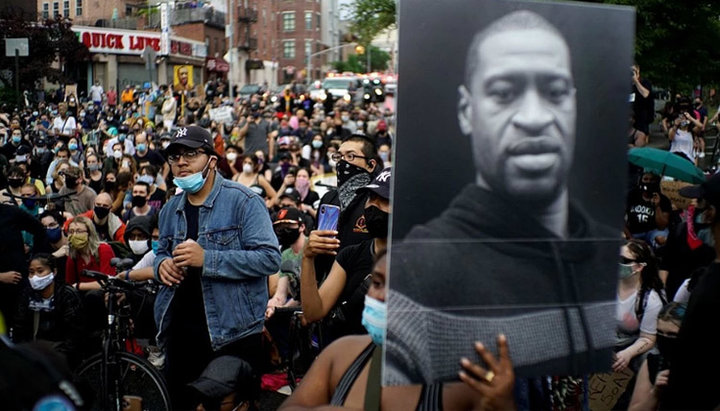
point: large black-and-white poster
(508, 193)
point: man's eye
(502, 93)
(557, 90)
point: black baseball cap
(289, 215)
(380, 184)
(223, 376)
(292, 193)
(709, 190)
(191, 137)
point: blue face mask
(16, 139)
(54, 234)
(374, 319)
(146, 179)
(317, 143)
(141, 147)
(121, 138)
(155, 244)
(194, 182)
(73, 146)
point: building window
(66, 8)
(56, 9)
(264, 15)
(318, 22)
(308, 49)
(308, 20)
(289, 21)
(217, 49)
(46, 11)
(78, 7)
(289, 49)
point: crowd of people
(223, 214)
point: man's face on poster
(183, 75)
(519, 109)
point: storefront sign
(114, 41)
(217, 64)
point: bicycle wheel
(136, 377)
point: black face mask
(101, 212)
(29, 203)
(287, 236)
(71, 182)
(345, 171)
(667, 347)
(650, 188)
(15, 182)
(139, 201)
(377, 222)
(110, 185)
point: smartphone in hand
(328, 217)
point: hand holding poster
(524, 222)
(222, 114)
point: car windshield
(343, 83)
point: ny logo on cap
(181, 133)
(382, 177)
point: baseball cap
(709, 190)
(191, 137)
(292, 193)
(380, 184)
(223, 376)
(289, 215)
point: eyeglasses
(188, 156)
(625, 260)
(71, 232)
(348, 157)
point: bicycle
(123, 377)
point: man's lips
(535, 145)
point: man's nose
(533, 115)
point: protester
(86, 253)
(50, 311)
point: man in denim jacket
(216, 248)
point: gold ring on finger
(489, 376)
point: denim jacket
(241, 250)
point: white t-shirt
(627, 320)
(682, 142)
(65, 126)
(147, 261)
(96, 93)
(682, 295)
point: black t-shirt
(153, 157)
(188, 318)
(97, 186)
(643, 107)
(641, 213)
(102, 231)
(694, 376)
(357, 261)
(157, 199)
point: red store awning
(217, 64)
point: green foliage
(48, 41)
(370, 17)
(358, 63)
(677, 41)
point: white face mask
(40, 283)
(138, 247)
(165, 144)
(117, 154)
(247, 168)
(231, 156)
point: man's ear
(372, 164)
(464, 110)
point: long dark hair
(649, 277)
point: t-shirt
(357, 261)
(641, 213)
(157, 199)
(682, 143)
(112, 97)
(187, 304)
(256, 138)
(694, 377)
(643, 107)
(76, 204)
(151, 156)
(626, 315)
(96, 93)
(65, 126)
(102, 231)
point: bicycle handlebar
(107, 282)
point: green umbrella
(666, 163)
